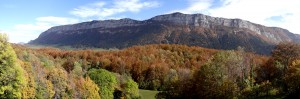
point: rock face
(176, 28)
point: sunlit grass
(148, 94)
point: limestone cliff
(176, 28)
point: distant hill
(176, 28)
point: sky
(25, 20)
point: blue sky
(24, 20)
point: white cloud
(27, 32)
(255, 10)
(258, 11)
(196, 6)
(18, 36)
(88, 10)
(133, 5)
(56, 20)
(103, 10)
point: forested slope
(177, 71)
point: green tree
(131, 89)
(264, 90)
(77, 71)
(170, 79)
(105, 80)
(213, 82)
(12, 79)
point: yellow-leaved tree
(12, 79)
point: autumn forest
(175, 71)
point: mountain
(176, 28)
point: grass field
(148, 94)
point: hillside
(175, 71)
(54, 73)
(176, 28)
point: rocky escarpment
(176, 28)
(97, 24)
(94, 24)
(274, 34)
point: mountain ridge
(175, 28)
